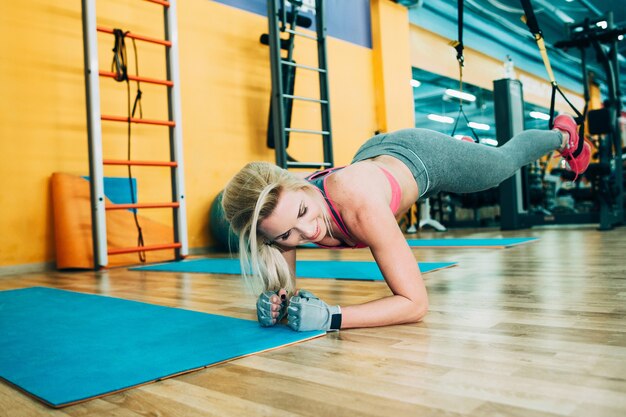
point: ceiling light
(539, 115)
(479, 126)
(602, 24)
(620, 37)
(415, 83)
(440, 119)
(461, 95)
(488, 141)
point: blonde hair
(250, 197)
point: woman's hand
(307, 312)
(271, 307)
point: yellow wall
(392, 66)
(225, 86)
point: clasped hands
(304, 311)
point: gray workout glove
(264, 309)
(307, 312)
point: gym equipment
(226, 240)
(533, 26)
(72, 225)
(351, 270)
(426, 219)
(283, 80)
(94, 118)
(607, 177)
(607, 190)
(459, 47)
(65, 347)
(470, 242)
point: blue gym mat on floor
(355, 270)
(470, 242)
(454, 242)
(65, 347)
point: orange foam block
(72, 228)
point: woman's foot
(567, 126)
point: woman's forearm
(385, 311)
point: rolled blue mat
(65, 347)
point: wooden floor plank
(537, 330)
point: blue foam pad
(120, 190)
(64, 347)
(469, 242)
(354, 270)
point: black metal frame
(279, 126)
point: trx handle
(531, 21)
(459, 47)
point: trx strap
(458, 46)
(120, 67)
(531, 21)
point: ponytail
(249, 197)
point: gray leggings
(441, 163)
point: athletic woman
(273, 211)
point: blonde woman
(273, 211)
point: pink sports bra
(319, 180)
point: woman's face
(297, 219)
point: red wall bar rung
(142, 79)
(140, 121)
(161, 2)
(143, 248)
(140, 206)
(138, 37)
(139, 163)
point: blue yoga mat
(355, 270)
(459, 242)
(470, 242)
(64, 347)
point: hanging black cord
(120, 66)
(137, 103)
(459, 47)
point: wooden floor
(534, 330)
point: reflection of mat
(65, 347)
(304, 269)
(468, 242)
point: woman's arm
(290, 257)
(376, 226)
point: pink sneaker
(579, 163)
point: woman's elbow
(420, 309)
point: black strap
(459, 47)
(459, 44)
(335, 322)
(120, 67)
(458, 116)
(531, 19)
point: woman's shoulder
(356, 184)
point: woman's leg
(463, 167)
